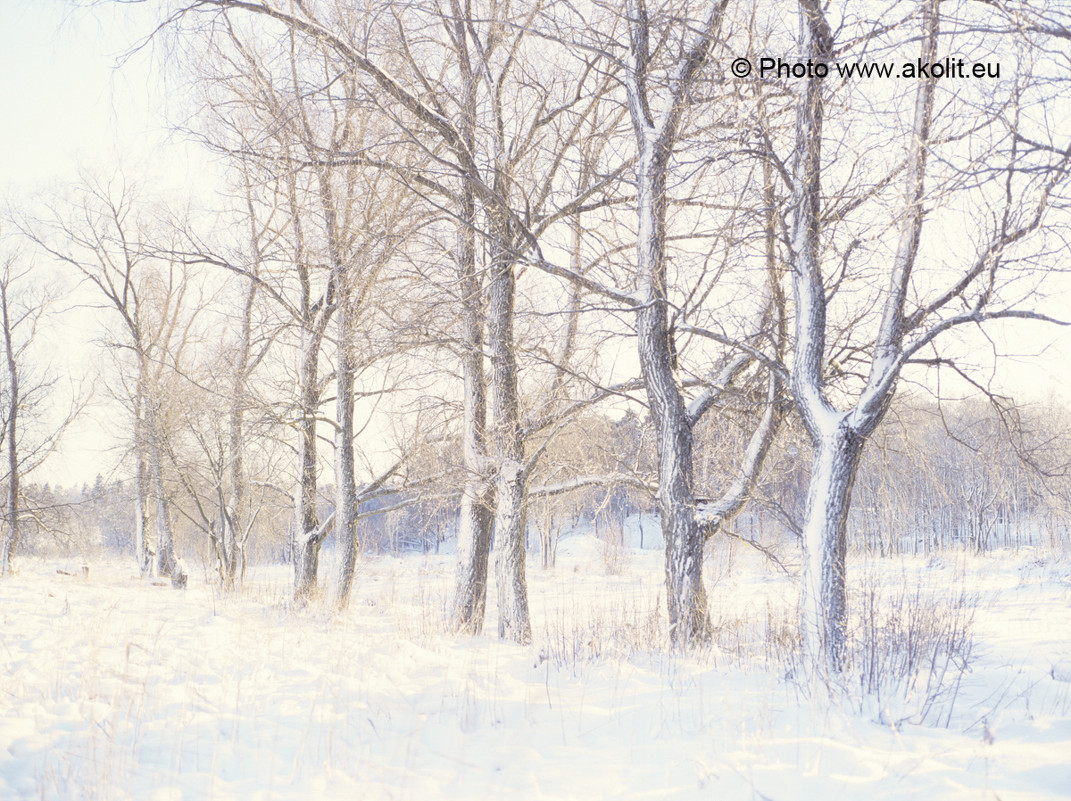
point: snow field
(114, 689)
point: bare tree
(11, 537)
(492, 174)
(308, 133)
(1017, 184)
(659, 85)
(245, 355)
(236, 530)
(28, 436)
(115, 246)
(255, 117)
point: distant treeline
(956, 475)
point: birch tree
(235, 529)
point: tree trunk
(233, 544)
(228, 556)
(824, 610)
(511, 483)
(166, 563)
(838, 436)
(306, 545)
(345, 481)
(141, 485)
(514, 622)
(11, 537)
(474, 524)
(689, 618)
(232, 508)
(656, 134)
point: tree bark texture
(345, 480)
(686, 598)
(307, 539)
(11, 535)
(233, 566)
(166, 563)
(141, 483)
(511, 483)
(824, 605)
(655, 123)
(475, 521)
(838, 437)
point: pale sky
(65, 107)
(60, 97)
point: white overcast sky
(64, 106)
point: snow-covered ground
(112, 689)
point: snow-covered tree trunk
(475, 520)
(141, 482)
(824, 610)
(511, 497)
(308, 533)
(822, 604)
(229, 521)
(511, 518)
(686, 597)
(345, 480)
(166, 563)
(11, 534)
(141, 515)
(656, 127)
(233, 536)
(477, 496)
(839, 436)
(315, 315)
